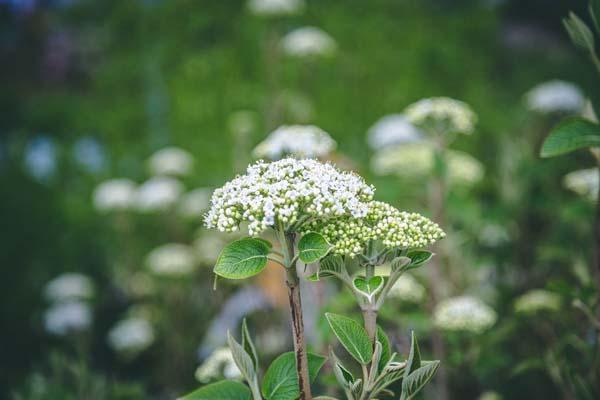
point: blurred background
(118, 119)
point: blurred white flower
(158, 194)
(69, 286)
(41, 158)
(416, 160)
(273, 8)
(308, 42)
(442, 115)
(464, 313)
(306, 141)
(555, 96)
(171, 259)
(194, 203)
(537, 300)
(114, 194)
(131, 335)
(391, 130)
(219, 364)
(90, 154)
(407, 289)
(584, 182)
(171, 161)
(67, 317)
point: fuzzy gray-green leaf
(352, 336)
(580, 33)
(242, 359)
(418, 379)
(248, 345)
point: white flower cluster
(308, 41)
(131, 335)
(172, 259)
(69, 286)
(394, 228)
(584, 182)
(158, 194)
(285, 191)
(114, 195)
(555, 96)
(407, 289)
(304, 141)
(194, 203)
(69, 311)
(442, 115)
(171, 161)
(417, 160)
(537, 300)
(391, 130)
(273, 8)
(220, 364)
(464, 313)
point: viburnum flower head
(383, 222)
(304, 141)
(442, 114)
(555, 97)
(285, 193)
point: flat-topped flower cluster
(304, 141)
(455, 116)
(383, 222)
(286, 192)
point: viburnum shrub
(322, 215)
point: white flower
(417, 161)
(171, 259)
(305, 141)
(407, 289)
(158, 194)
(282, 192)
(464, 313)
(308, 42)
(273, 8)
(194, 203)
(66, 317)
(114, 194)
(391, 130)
(171, 161)
(537, 300)
(131, 335)
(442, 115)
(219, 364)
(584, 182)
(555, 96)
(69, 286)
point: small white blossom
(464, 313)
(171, 161)
(537, 300)
(69, 286)
(66, 317)
(407, 289)
(220, 364)
(555, 96)
(584, 182)
(114, 195)
(274, 8)
(283, 192)
(193, 204)
(171, 259)
(131, 335)
(417, 161)
(158, 194)
(391, 130)
(308, 41)
(305, 141)
(442, 115)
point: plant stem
(293, 284)
(369, 312)
(597, 242)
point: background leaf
(352, 336)
(570, 135)
(580, 33)
(243, 258)
(312, 247)
(281, 381)
(223, 390)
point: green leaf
(418, 379)
(223, 390)
(571, 134)
(368, 288)
(595, 13)
(242, 359)
(353, 337)
(385, 348)
(342, 375)
(414, 357)
(324, 398)
(400, 264)
(248, 345)
(580, 33)
(312, 247)
(281, 381)
(418, 258)
(243, 258)
(330, 265)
